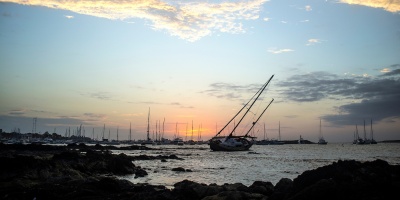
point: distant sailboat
(357, 139)
(265, 140)
(148, 141)
(301, 140)
(321, 138)
(277, 142)
(372, 136)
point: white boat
(301, 140)
(178, 141)
(321, 138)
(239, 142)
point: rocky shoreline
(91, 172)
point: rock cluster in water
(46, 172)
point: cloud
(231, 91)
(69, 16)
(17, 112)
(266, 19)
(388, 5)
(308, 8)
(187, 20)
(371, 97)
(278, 51)
(99, 95)
(313, 41)
(389, 72)
(93, 115)
(392, 73)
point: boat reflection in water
(239, 142)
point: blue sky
(107, 62)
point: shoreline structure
(91, 172)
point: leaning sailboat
(239, 142)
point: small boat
(239, 142)
(301, 140)
(321, 138)
(178, 141)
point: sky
(111, 63)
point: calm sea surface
(262, 162)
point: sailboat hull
(223, 144)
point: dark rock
(265, 188)
(236, 187)
(191, 190)
(282, 189)
(178, 169)
(236, 195)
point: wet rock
(178, 169)
(282, 189)
(236, 187)
(140, 173)
(236, 195)
(261, 187)
(191, 190)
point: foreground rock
(74, 175)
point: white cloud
(186, 20)
(313, 41)
(385, 70)
(266, 19)
(69, 16)
(388, 5)
(278, 51)
(308, 8)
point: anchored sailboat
(239, 142)
(148, 140)
(321, 138)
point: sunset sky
(107, 62)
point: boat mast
(130, 131)
(264, 130)
(254, 123)
(163, 128)
(320, 131)
(247, 111)
(148, 126)
(365, 132)
(279, 131)
(372, 132)
(243, 107)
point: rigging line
(251, 106)
(250, 120)
(243, 107)
(259, 117)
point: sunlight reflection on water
(264, 163)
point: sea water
(260, 163)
